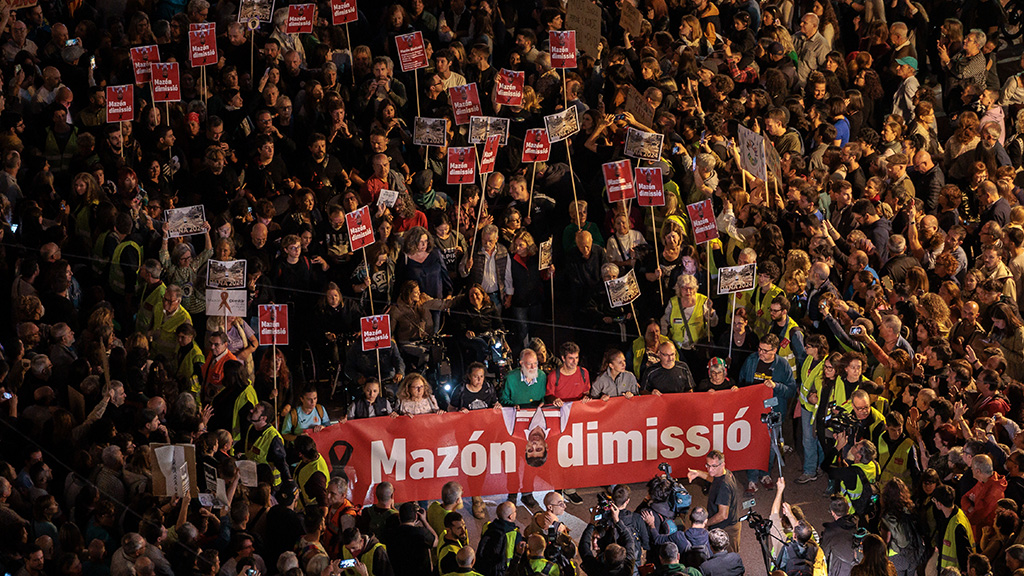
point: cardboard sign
(186, 221)
(360, 228)
(430, 131)
(174, 470)
(490, 154)
(562, 47)
(650, 186)
(202, 48)
(702, 217)
(375, 332)
(166, 82)
(483, 127)
(465, 101)
(461, 165)
(630, 19)
(121, 103)
(226, 302)
(584, 17)
(252, 12)
(508, 87)
(545, 254)
(300, 19)
(643, 145)
(273, 324)
(618, 179)
(562, 125)
(226, 274)
(536, 146)
(622, 291)
(387, 198)
(343, 12)
(411, 52)
(736, 278)
(639, 107)
(142, 59)
(752, 153)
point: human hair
(405, 388)
(718, 539)
(876, 557)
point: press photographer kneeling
(607, 546)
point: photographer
(854, 476)
(723, 497)
(768, 367)
(534, 562)
(693, 542)
(607, 548)
(633, 521)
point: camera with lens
(761, 526)
(679, 499)
(838, 420)
(772, 418)
(602, 511)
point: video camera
(839, 420)
(761, 526)
(679, 500)
(772, 418)
(603, 511)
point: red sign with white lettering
(461, 165)
(343, 12)
(360, 228)
(412, 54)
(166, 82)
(202, 48)
(142, 58)
(618, 179)
(121, 103)
(702, 217)
(536, 146)
(300, 19)
(376, 332)
(650, 187)
(465, 101)
(562, 46)
(490, 154)
(508, 87)
(273, 326)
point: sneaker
(529, 501)
(805, 478)
(573, 497)
(751, 488)
(767, 482)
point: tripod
(763, 532)
(773, 420)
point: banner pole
(533, 177)
(167, 113)
(480, 205)
(707, 249)
(635, 319)
(252, 57)
(572, 179)
(458, 210)
(731, 324)
(351, 59)
(416, 81)
(657, 257)
(273, 353)
(120, 127)
(565, 90)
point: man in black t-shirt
(669, 376)
(477, 393)
(415, 538)
(723, 497)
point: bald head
(465, 557)
(507, 511)
(535, 545)
(923, 161)
(819, 273)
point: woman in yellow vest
(689, 316)
(312, 474)
(762, 296)
(811, 375)
(645, 348)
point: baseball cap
(908, 61)
(776, 49)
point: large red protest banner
(504, 451)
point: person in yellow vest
(791, 337)
(263, 444)
(763, 295)
(466, 558)
(312, 474)
(451, 501)
(535, 562)
(689, 316)
(856, 474)
(954, 537)
(501, 541)
(368, 551)
(163, 336)
(125, 262)
(150, 294)
(189, 359)
(811, 374)
(645, 348)
(897, 453)
(454, 538)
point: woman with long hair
(876, 558)
(423, 263)
(412, 321)
(614, 380)
(1008, 332)
(264, 386)
(897, 522)
(415, 397)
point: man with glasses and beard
(723, 497)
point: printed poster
(483, 127)
(360, 228)
(187, 221)
(536, 146)
(412, 54)
(562, 125)
(736, 278)
(461, 165)
(650, 186)
(622, 291)
(300, 19)
(465, 101)
(702, 217)
(562, 48)
(166, 82)
(618, 180)
(508, 87)
(430, 131)
(643, 145)
(121, 103)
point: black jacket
(837, 545)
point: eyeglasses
(712, 466)
(766, 350)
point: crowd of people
(888, 240)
